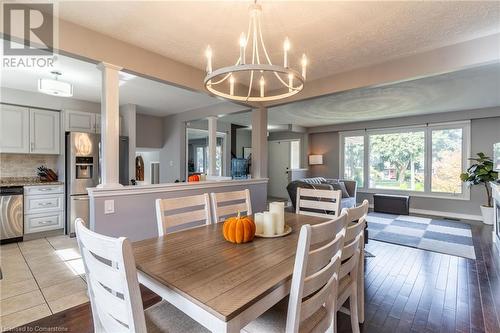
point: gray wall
(135, 217)
(485, 130)
(243, 139)
(149, 131)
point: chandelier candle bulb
(278, 210)
(259, 223)
(262, 83)
(304, 65)
(231, 85)
(286, 48)
(208, 54)
(269, 225)
(243, 44)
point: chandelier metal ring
(258, 68)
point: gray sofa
(348, 199)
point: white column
(110, 126)
(259, 143)
(212, 144)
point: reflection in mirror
(241, 143)
(197, 154)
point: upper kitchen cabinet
(14, 129)
(77, 121)
(44, 132)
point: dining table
(221, 285)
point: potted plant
(479, 173)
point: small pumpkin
(239, 229)
(194, 178)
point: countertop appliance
(83, 171)
(11, 214)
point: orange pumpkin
(194, 178)
(239, 229)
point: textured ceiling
(152, 97)
(337, 36)
(472, 88)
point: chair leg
(353, 304)
(361, 287)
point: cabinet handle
(46, 189)
(44, 222)
(32, 146)
(45, 204)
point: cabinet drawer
(43, 189)
(43, 203)
(43, 222)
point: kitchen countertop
(4, 182)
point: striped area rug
(438, 235)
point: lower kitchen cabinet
(43, 208)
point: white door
(278, 166)
(44, 132)
(14, 129)
(76, 121)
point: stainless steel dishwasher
(11, 214)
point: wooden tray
(287, 231)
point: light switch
(171, 163)
(109, 206)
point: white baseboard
(444, 214)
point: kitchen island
(130, 210)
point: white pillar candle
(269, 224)
(278, 209)
(259, 223)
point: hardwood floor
(407, 290)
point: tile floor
(39, 277)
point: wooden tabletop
(221, 277)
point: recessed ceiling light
(55, 87)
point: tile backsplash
(25, 165)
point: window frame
(427, 129)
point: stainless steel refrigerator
(83, 171)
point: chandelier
(255, 73)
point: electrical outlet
(109, 206)
(171, 163)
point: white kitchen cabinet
(14, 129)
(43, 208)
(77, 121)
(44, 132)
(98, 123)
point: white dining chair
(312, 302)
(227, 204)
(323, 203)
(114, 292)
(349, 269)
(175, 212)
(353, 215)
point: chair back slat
(316, 271)
(115, 306)
(323, 232)
(227, 204)
(321, 256)
(111, 281)
(105, 274)
(324, 203)
(354, 229)
(355, 213)
(183, 210)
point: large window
(427, 159)
(397, 160)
